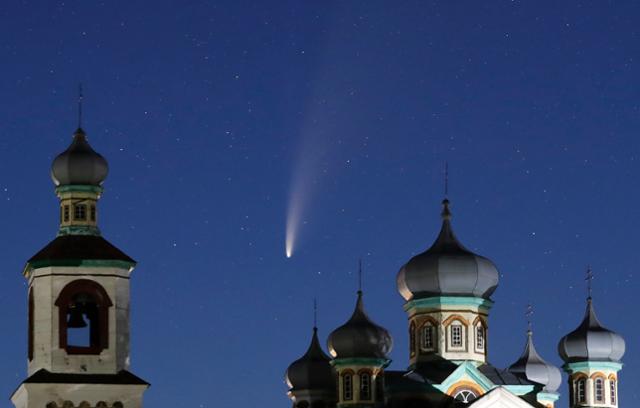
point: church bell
(76, 321)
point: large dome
(360, 337)
(312, 371)
(447, 269)
(532, 367)
(79, 164)
(591, 341)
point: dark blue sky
(206, 110)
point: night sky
(214, 114)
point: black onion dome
(532, 367)
(591, 341)
(312, 371)
(447, 269)
(79, 164)
(360, 337)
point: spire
(315, 314)
(446, 179)
(360, 276)
(80, 96)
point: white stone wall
(39, 395)
(46, 284)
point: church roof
(72, 250)
(123, 377)
(447, 268)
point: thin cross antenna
(528, 314)
(589, 280)
(360, 275)
(315, 313)
(446, 179)
(80, 96)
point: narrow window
(599, 390)
(427, 336)
(480, 337)
(31, 306)
(612, 391)
(65, 213)
(347, 387)
(80, 212)
(580, 391)
(456, 335)
(365, 386)
(93, 213)
(412, 338)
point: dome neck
(78, 209)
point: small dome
(532, 367)
(591, 342)
(447, 269)
(79, 164)
(312, 371)
(359, 337)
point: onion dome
(591, 342)
(360, 337)
(79, 164)
(532, 367)
(312, 371)
(447, 269)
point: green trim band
(80, 188)
(96, 263)
(436, 302)
(548, 396)
(378, 362)
(79, 230)
(592, 365)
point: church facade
(78, 300)
(447, 291)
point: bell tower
(78, 297)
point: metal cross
(528, 314)
(80, 96)
(446, 179)
(589, 280)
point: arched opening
(31, 325)
(83, 307)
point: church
(447, 292)
(78, 328)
